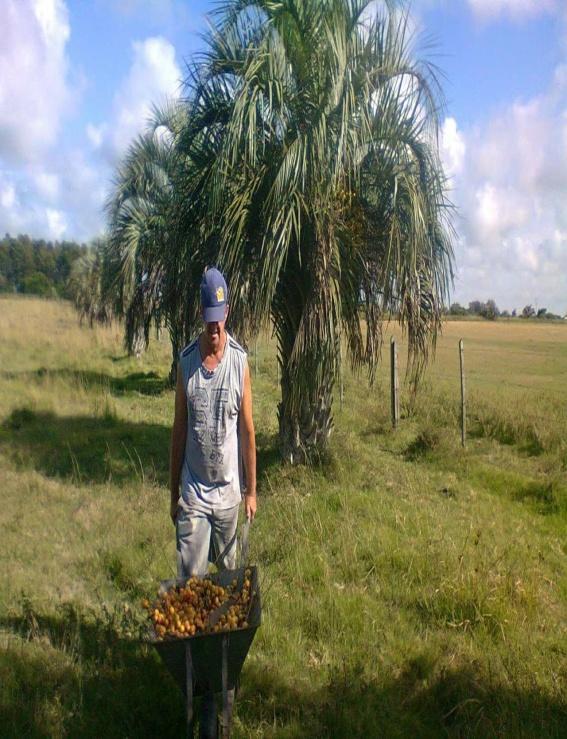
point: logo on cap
(220, 294)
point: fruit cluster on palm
(304, 162)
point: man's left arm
(248, 445)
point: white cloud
(10, 204)
(85, 185)
(7, 195)
(95, 134)
(526, 254)
(511, 189)
(56, 223)
(45, 205)
(44, 188)
(453, 147)
(47, 185)
(498, 211)
(34, 88)
(520, 143)
(516, 9)
(153, 77)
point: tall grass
(410, 587)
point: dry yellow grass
(45, 333)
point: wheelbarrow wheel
(232, 696)
(223, 723)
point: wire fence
(492, 373)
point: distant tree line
(36, 266)
(73, 270)
(491, 312)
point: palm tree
(86, 285)
(314, 177)
(143, 255)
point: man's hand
(173, 511)
(250, 505)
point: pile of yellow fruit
(185, 610)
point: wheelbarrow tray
(206, 650)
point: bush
(37, 284)
(528, 311)
(427, 440)
(490, 310)
(457, 309)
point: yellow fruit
(185, 611)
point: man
(213, 403)
(212, 428)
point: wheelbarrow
(211, 662)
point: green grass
(410, 587)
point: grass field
(411, 588)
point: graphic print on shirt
(218, 420)
(209, 426)
(199, 404)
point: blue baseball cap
(214, 294)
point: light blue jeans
(204, 536)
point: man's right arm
(178, 438)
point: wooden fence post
(463, 395)
(394, 386)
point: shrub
(37, 284)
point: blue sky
(77, 79)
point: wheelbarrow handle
(244, 542)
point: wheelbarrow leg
(226, 707)
(189, 691)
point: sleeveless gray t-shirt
(211, 467)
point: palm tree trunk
(304, 427)
(304, 436)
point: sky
(78, 78)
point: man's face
(213, 332)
